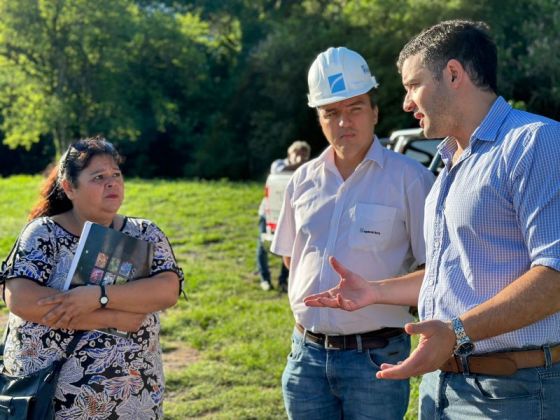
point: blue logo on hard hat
(336, 83)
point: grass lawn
(226, 346)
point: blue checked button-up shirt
(491, 217)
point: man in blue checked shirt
(489, 298)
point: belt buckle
(328, 345)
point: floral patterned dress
(107, 377)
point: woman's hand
(108, 318)
(351, 293)
(69, 305)
(127, 321)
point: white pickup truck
(412, 143)
(273, 198)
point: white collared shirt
(372, 223)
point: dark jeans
(262, 258)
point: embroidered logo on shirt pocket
(371, 226)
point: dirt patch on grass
(177, 356)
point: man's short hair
(468, 42)
(298, 145)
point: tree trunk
(61, 141)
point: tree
(56, 56)
(530, 65)
(212, 88)
(74, 68)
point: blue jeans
(262, 258)
(528, 394)
(335, 384)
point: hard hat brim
(346, 95)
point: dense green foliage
(240, 335)
(212, 89)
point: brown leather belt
(502, 364)
(369, 340)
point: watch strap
(463, 342)
(103, 299)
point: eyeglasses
(81, 146)
(84, 145)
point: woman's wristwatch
(103, 299)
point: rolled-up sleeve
(536, 195)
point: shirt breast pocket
(371, 226)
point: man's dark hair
(465, 41)
(373, 97)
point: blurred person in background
(298, 153)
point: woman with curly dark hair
(106, 376)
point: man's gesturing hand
(435, 346)
(351, 293)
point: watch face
(464, 349)
(104, 300)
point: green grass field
(226, 346)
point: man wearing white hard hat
(364, 204)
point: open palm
(351, 293)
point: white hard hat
(338, 74)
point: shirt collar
(486, 131)
(488, 128)
(376, 153)
(447, 148)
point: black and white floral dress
(108, 376)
